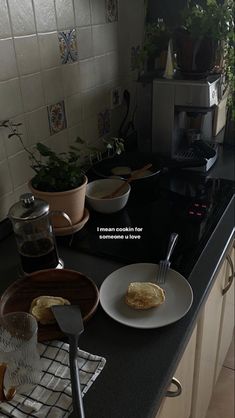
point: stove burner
(190, 207)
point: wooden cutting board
(69, 284)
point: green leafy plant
(53, 172)
(215, 21)
(56, 172)
(156, 39)
(114, 145)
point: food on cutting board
(144, 295)
(41, 308)
(121, 171)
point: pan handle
(78, 410)
(200, 162)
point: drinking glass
(18, 352)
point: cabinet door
(206, 349)
(179, 407)
(227, 316)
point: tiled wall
(62, 57)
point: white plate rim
(138, 265)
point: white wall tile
(125, 61)
(45, 15)
(5, 28)
(20, 169)
(84, 41)
(70, 74)
(22, 17)
(105, 38)
(49, 50)
(84, 85)
(58, 142)
(89, 104)
(74, 109)
(27, 53)
(5, 178)
(74, 132)
(65, 14)
(18, 191)
(101, 66)
(113, 65)
(10, 102)
(98, 34)
(38, 125)
(53, 85)
(87, 74)
(8, 61)
(98, 11)
(111, 36)
(32, 92)
(91, 130)
(94, 101)
(82, 12)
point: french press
(33, 230)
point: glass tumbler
(18, 352)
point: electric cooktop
(188, 204)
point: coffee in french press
(34, 235)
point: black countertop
(140, 363)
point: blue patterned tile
(111, 10)
(68, 46)
(104, 122)
(57, 117)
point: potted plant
(59, 178)
(206, 37)
(153, 53)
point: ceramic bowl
(97, 189)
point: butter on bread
(144, 295)
(41, 308)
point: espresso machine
(176, 119)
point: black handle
(78, 410)
(198, 162)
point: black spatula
(69, 319)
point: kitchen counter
(140, 363)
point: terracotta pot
(195, 57)
(71, 202)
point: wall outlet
(116, 95)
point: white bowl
(95, 190)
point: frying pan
(133, 160)
(136, 160)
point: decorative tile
(68, 46)
(135, 51)
(104, 122)
(111, 10)
(57, 117)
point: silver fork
(164, 265)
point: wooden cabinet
(214, 336)
(205, 353)
(227, 314)
(179, 406)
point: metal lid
(28, 208)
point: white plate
(178, 293)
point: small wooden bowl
(69, 284)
